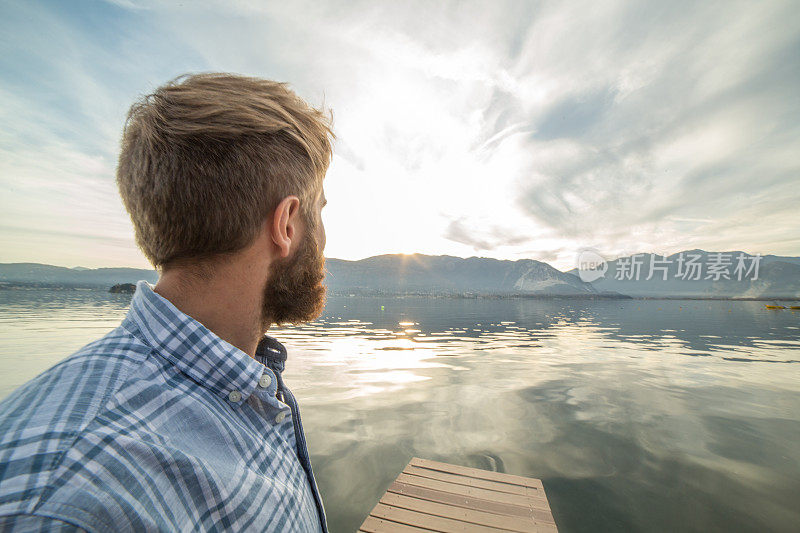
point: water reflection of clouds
(362, 359)
(614, 404)
(376, 353)
(628, 328)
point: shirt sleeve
(26, 523)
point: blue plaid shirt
(159, 425)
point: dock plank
(472, 516)
(436, 523)
(474, 482)
(377, 525)
(455, 500)
(477, 473)
(433, 496)
(474, 492)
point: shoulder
(71, 391)
(40, 420)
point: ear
(285, 224)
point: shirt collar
(195, 350)
(271, 353)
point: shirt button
(280, 417)
(235, 396)
(265, 381)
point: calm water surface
(637, 415)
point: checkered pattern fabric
(158, 426)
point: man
(179, 419)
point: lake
(638, 415)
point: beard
(294, 292)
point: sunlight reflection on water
(637, 415)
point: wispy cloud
(483, 239)
(509, 129)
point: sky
(496, 129)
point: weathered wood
(477, 473)
(433, 496)
(483, 494)
(474, 482)
(472, 516)
(376, 525)
(436, 523)
(456, 500)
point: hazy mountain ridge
(418, 273)
(383, 274)
(50, 275)
(778, 277)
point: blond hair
(207, 157)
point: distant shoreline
(777, 279)
(462, 296)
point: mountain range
(767, 276)
(777, 277)
(417, 273)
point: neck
(229, 303)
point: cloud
(512, 129)
(685, 119)
(483, 239)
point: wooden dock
(433, 496)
